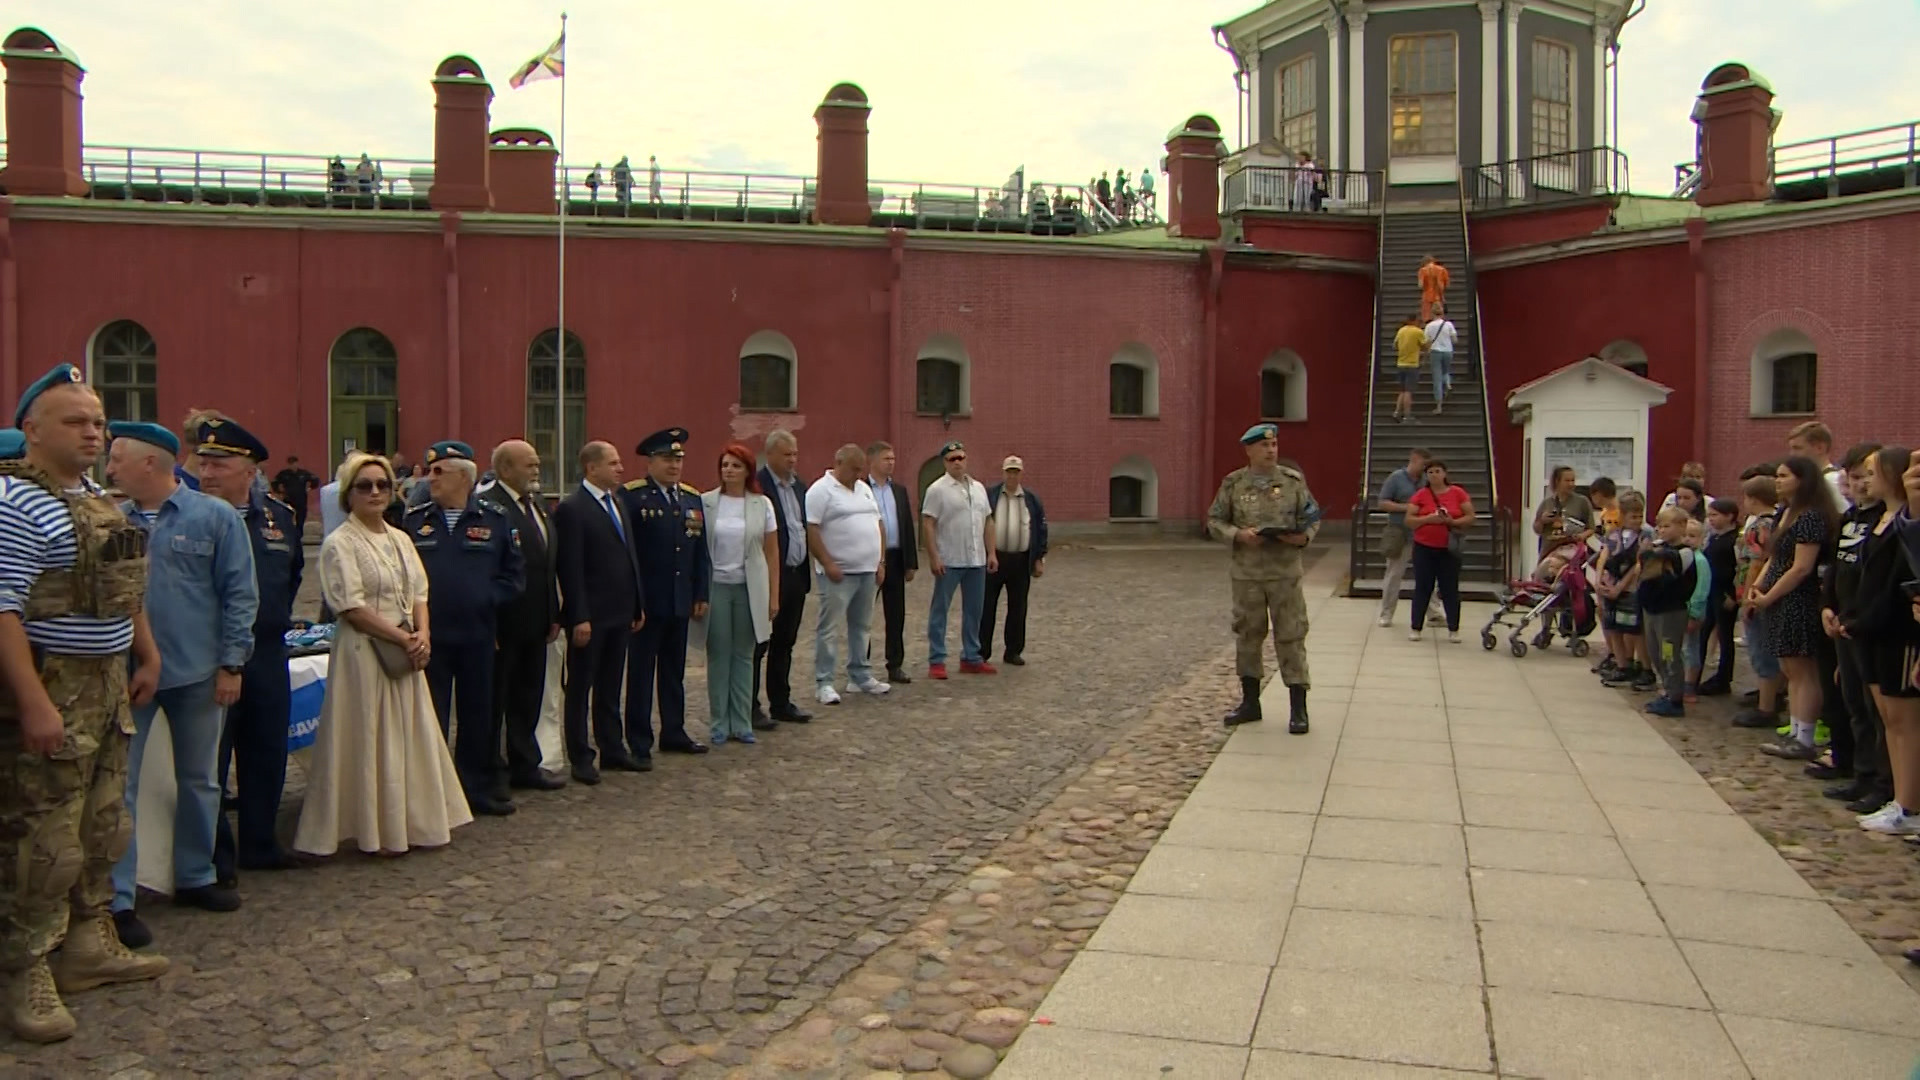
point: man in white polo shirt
(845, 539)
(958, 523)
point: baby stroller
(1559, 590)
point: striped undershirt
(36, 535)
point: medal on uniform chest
(426, 528)
(479, 532)
(272, 532)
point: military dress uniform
(669, 535)
(253, 742)
(474, 568)
(64, 818)
(1273, 502)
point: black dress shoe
(759, 715)
(1871, 801)
(586, 774)
(285, 860)
(1846, 792)
(133, 933)
(1016, 661)
(484, 804)
(1712, 688)
(792, 714)
(897, 677)
(1818, 771)
(764, 723)
(215, 897)
(537, 782)
(688, 747)
(626, 763)
(500, 791)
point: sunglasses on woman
(371, 487)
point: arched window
(547, 405)
(1283, 387)
(365, 414)
(1786, 374)
(942, 375)
(1133, 382)
(1133, 491)
(930, 470)
(769, 374)
(123, 363)
(1626, 355)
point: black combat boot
(1297, 723)
(1249, 710)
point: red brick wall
(1352, 238)
(1506, 230)
(1541, 317)
(1849, 287)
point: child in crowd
(1606, 504)
(1723, 559)
(1694, 648)
(1693, 474)
(1619, 581)
(1761, 499)
(1671, 587)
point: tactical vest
(108, 578)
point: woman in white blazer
(745, 595)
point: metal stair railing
(1498, 516)
(1356, 544)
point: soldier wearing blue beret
(669, 536)
(254, 743)
(1266, 512)
(13, 444)
(474, 568)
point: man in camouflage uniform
(73, 573)
(1266, 512)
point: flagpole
(560, 350)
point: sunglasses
(955, 459)
(439, 470)
(370, 487)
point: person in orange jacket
(1434, 280)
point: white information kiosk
(1591, 415)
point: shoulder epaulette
(1291, 473)
(635, 485)
(689, 489)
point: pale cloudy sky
(962, 93)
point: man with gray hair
(471, 553)
(782, 487)
(846, 539)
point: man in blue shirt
(72, 585)
(202, 599)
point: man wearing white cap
(1020, 540)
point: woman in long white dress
(381, 775)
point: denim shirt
(201, 594)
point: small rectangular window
(1297, 113)
(1423, 94)
(1795, 379)
(1273, 395)
(1552, 109)
(1126, 390)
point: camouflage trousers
(63, 819)
(1281, 606)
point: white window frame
(1539, 143)
(1290, 122)
(1394, 96)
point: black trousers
(460, 677)
(1435, 567)
(594, 674)
(1869, 731)
(1833, 703)
(1016, 577)
(776, 653)
(1721, 622)
(254, 741)
(657, 658)
(893, 611)
(519, 681)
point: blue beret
(13, 444)
(59, 376)
(224, 438)
(672, 443)
(1259, 431)
(142, 431)
(951, 447)
(449, 449)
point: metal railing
(1290, 189)
(1575, 174)
(1896, 146)
(159, 174)
(1498, 512)
(1359, 543)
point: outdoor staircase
(1459, 435)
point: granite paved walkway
(1474, 865)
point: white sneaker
(1889, 812)
(1386, 620)
(1899, 823)
(828, 696)
(1453, 636)
(1413, 635)
(871, 686)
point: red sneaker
(936, 671)
(978, 668)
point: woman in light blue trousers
(745, 594)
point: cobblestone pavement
(713, 902)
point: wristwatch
(232, 669)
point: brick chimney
(43, 116)
(461, 98)
(1736, 121)
(840, 181)
(520, 171)
(1194, 151)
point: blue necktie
(615, 511)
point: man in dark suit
(667, 535)
(601, 605)
(1020, 538)
(788, 495)
(527, 624)
(902, 556)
